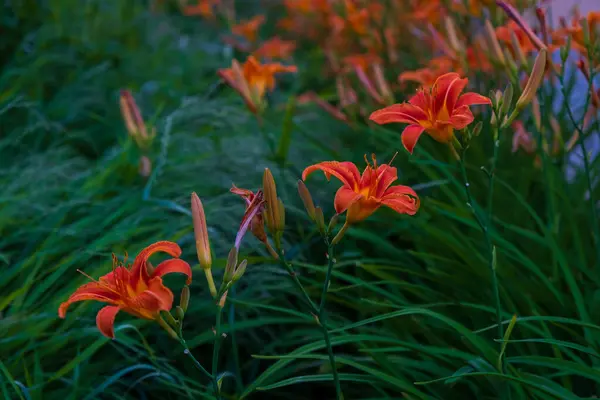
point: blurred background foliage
(410, 300)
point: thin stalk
(187, 352)
(323, 320)
(234, 346)
(216, 348)
(318, 311)
(488, 241)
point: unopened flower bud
(271, 201)
(493, 41)
(232, 259)
(281, 214)
(320, 219)
(477, 129)
(201, 233)
(534, 82)
(239, 272)
(166, 315)
(184, 298)
(179, 313)
(507, 97)
(452, 36)
(306, 199)
(333, 222)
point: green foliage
(410, 306)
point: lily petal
(461, 117)
(344, 171)
(252, 210)
(410, 136)
(386, 175)
(90, 291)
(401, 199)
(247, 195)
(105, 320)
(173, 265)
(344, 198)
(447, 90)
(471, 98)
(139, 272)
(405, 113)
(161, 292)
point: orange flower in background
(505, 36)
(275, 48)
(136, 291)
(249, 29)
(522, 139)
(203, 8)
(362, 195)
(576, 31)
(437, 111)
(253, 79)
(426, 76)
(369, 71)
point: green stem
(187, 352)
(323, 320)
(318, 312)
(488, 240)
(216, 348)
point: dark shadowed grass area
(410, 299)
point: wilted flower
(253, 79)
(257, 224)
(362, 195)
(134, 290)
(437, 111)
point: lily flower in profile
(437, 111)
(136, 290)
(257, 223)
(275, 49)
(361, 195)
(249, 29)
(252, 79)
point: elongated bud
(168, 318)
(518, 49)
(493, 41)
(306, 199)
(232, 259)
(320, 220)
(477, 129)
(132, 116)
(201, 233)
(333, 222)
(179, 313)
(507, 97)
(184, 298)
(239, 272)
(166, 326)
(537, 114)
(452, 36)
(271, 203)
(534, 82)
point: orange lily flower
(135, 290)
(204, 8)
(362, 195)
(275, 48)
(249, 29)
(437, 111)
(253, 79)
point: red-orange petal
(89, 291)
(246, 194)
(461, 118)
(105, 320)
(344, 198)
(173, 265)
(410, 136)
(161, 292)
(403, 113)
(253, 209)
(386, 175)
(139, 271)
(448, 88)
(401, 199)
(345, 171)
(471, 98)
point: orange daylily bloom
(275, 48)
(504, 34)
(576, 32)
(135, 290)
(437, 111)
(249, 29)
(203, 8)
(362, 195)
(253, 79)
